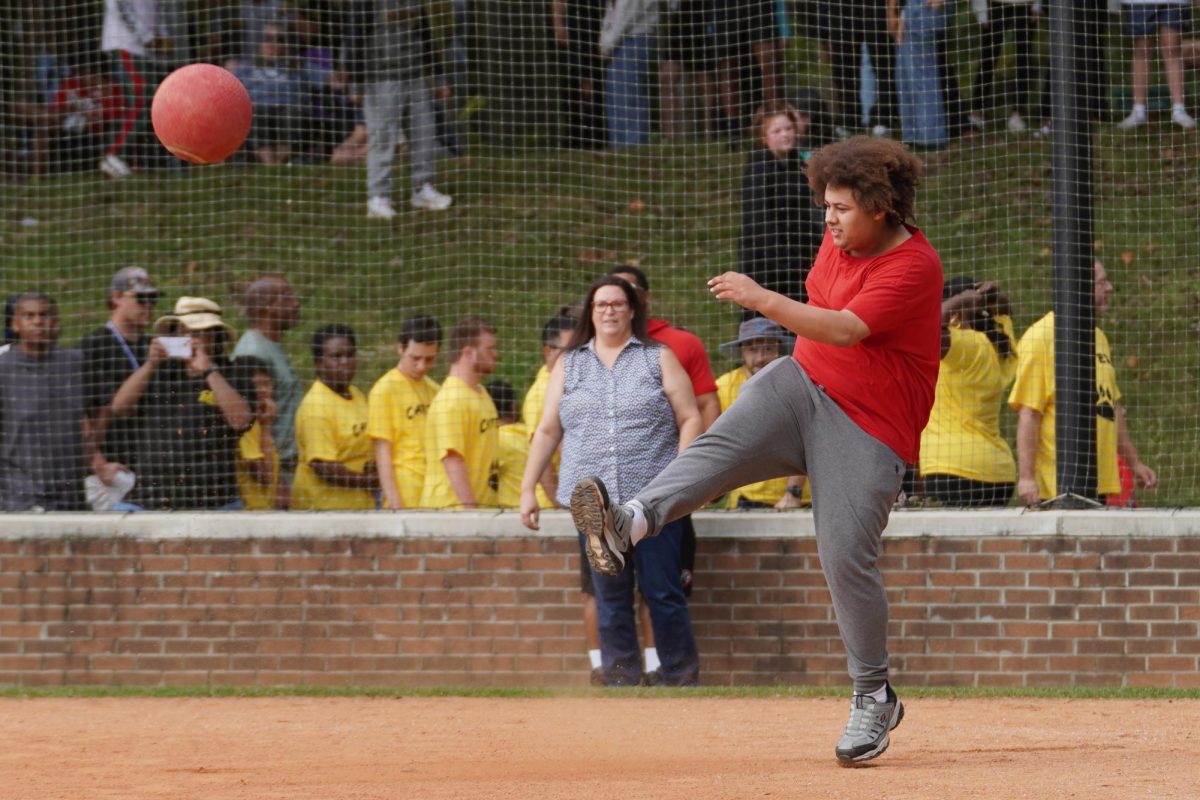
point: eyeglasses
(618, 306)
(146, 299)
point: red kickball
(201, 113)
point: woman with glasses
(615, 386)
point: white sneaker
(1136, 119)
(431, 199)
(1016, 124)
(880, 131)
(975, 121)
(114, 167)
(380, 208)
(842, 133)
(1183, 119)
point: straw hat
(193, 314)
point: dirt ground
(588, 747)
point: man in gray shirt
(44, 448)
(272, 309)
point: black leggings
(952, 490)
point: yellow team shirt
(464, 420)
(531, 415)
(963, 437)
(514, 450)
(1034, 388)
(397, 407)
(255, 496)
(767, 492)
(330, 427)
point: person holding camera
(191, 412)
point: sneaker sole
(589, 504)
(848, 761)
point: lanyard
(124, 346)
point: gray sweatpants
(383, 108)
(784, 424)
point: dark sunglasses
(146, 299)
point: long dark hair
(585, 329)
(983, 321)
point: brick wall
(1006, 599)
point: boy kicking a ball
(847, 410)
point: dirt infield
(587, 747)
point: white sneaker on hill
(431, 199)
(380, 208)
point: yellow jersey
(963, 437)
(766, 492)
(531, 415)
(514, 450)
(1034, 388)
(464, 420)
(331, 428)
(397, 406)
(256, 496)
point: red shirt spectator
(690, 351)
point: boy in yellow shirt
(397, 406)
(258, 460)
(335, 470)
(462, 441)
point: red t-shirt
(884, 383)
(690, 351)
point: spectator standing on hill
(781, 227)
(462, 437)
(746, 35)
(1033, 398)
(399, 405)
(385, 49)
(111, 354)
(258, 460)
(335, 469)
(760, 341)
(964, 458)
(687, 50)
(576, 25)
(627, 40)
(917, 27)
(847, 410)
(45, 446)
(996, 18)
(513, 444)
(190, 413)
(622, 405)
(272, 309)
(853, 23)
(137, 39)
(1166, 19)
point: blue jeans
(922, 106)
(658, 563)
(626, 92)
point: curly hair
(881, 173)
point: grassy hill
(529, 229)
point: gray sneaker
(603, 525)
(866, 734)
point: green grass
(531, 228)
(735, 692)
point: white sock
(652, 662)
(594, 656)
(1179, 108)
(1139, 109)
(639, 527)
(879, 695)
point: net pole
(1074, 318)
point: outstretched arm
(841, 328)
